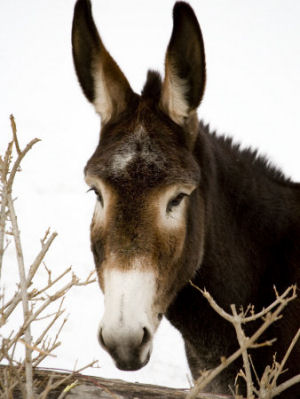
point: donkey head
(144, 237)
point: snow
(252, 94)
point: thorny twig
(4, 164)
(20, 258)
(269, 315)
(26, 312)
(13, 374)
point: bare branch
(14, 131)
(26, 313)
(256, 316)
(35, 348)
(3, 215)
(242, 339)
(11, 305)
(44, 346)
(286, 356)
(18, 162)
(63, 380)
(285, 385)
(269, 317)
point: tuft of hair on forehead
(152, 87)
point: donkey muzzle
(130, 349)
(130, 320)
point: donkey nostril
(146, 336)
(159, 316)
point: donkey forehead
(141, 159)
(137, 151)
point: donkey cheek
(98, 252)
(174, 245)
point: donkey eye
(175, 201)
(98, 194)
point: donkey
(177, 203)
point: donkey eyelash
(98, 194)
(176, 201)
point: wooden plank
(99, 388)
(89, 387)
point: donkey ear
(184, 82)
(101, 79)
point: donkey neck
(250, 225)
(252, 235)
(248, 196)
(251, 211)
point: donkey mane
(152, 87)
(259, 163)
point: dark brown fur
(242, 230)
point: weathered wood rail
(89, 387)
(117, 389)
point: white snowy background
(252, 94)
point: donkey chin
(129, 322)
